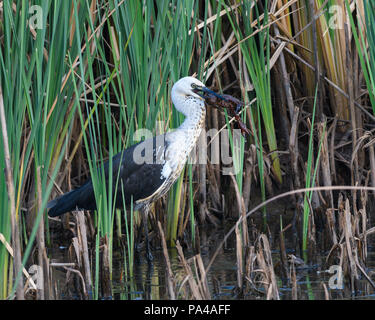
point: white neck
(183, 139)
(187, 134)
(194, 119)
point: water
(313, 281)
(150, 283)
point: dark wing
(140, 170)
(136, 174)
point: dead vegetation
(317, 136)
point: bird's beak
(201, 91)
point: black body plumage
(143, 182)
(133, 179)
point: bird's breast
(173, 157)
(181, 143)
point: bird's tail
(67, 202)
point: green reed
(311, 172)
(366, 52)
(255, 50)
(39, 117)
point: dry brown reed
(302, 56)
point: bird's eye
(194, 86)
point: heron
(143, 182)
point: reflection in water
(149, 281)
(312, 281)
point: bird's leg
(145, 211)
(138, 239)
(147, 282)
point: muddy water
(149, 282)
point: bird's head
(188, 93)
